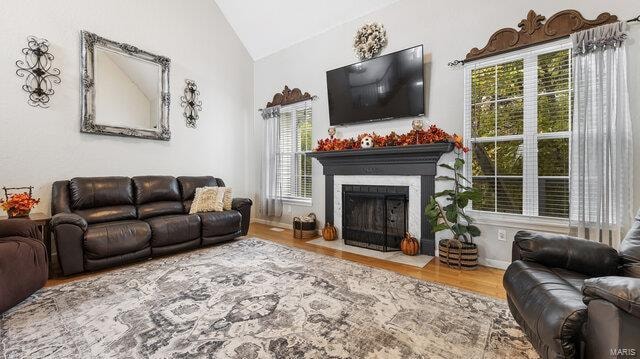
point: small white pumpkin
(366, 142)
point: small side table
(42, 221)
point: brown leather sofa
(576, 298)
(23, 261)
(100, 222)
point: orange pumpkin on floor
(409, 245)
(329, 232)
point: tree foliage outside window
(519, 121)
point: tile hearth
(396, 256)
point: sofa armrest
(623, 292)
(236, 203)
(68, 231)
(243, 205)
(69, 218)
(18, 227)
(560, 251)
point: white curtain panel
(601, 143)
(271, 200)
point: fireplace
(374, 217)
(416, 161)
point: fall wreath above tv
(413, 137)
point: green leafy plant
(451, 214)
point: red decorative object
(414, 137)
(19, 204)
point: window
(294, 166)
(517, 123)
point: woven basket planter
(305, 227)
(458, 254)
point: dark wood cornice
(414, 160)
(287, 97)
(534, 30)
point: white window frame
(295, 155)
(529, 137)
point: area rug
(255, 299)
(395, 256)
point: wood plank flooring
(484, 280)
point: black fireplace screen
(374, 217)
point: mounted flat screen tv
(383, 88)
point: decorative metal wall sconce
(191, 103)
(38, 72)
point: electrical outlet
(502, 235)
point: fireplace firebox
(374, 217)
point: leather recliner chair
(24, 267)
(100, 222)
(576, 298)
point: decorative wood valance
(287, 97)
(534, 30)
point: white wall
(38, 146)
(447, 30)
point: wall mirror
(125, 90)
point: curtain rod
(460, 62)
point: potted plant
(459, 250)
(19, 204)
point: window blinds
(295, 141)
(517, 123)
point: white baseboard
(274, 223)
(494, 263)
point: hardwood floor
(484, 280)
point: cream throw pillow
(226, 202)
(207, 199)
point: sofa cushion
(550, 303)
(220, 223)
(116, 238)
(93, 192)
(156, 189)
(157, 196)
(107, 214)
(168, 230)
(155, 209)
(189, 184)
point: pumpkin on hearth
(409, 245)
(329, 232)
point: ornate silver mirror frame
(88, 43)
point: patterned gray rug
(255, 299)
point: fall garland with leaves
(414, 137)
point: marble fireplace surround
(414, 166)
(413, 182)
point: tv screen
(386, 87)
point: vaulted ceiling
(267, 26)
